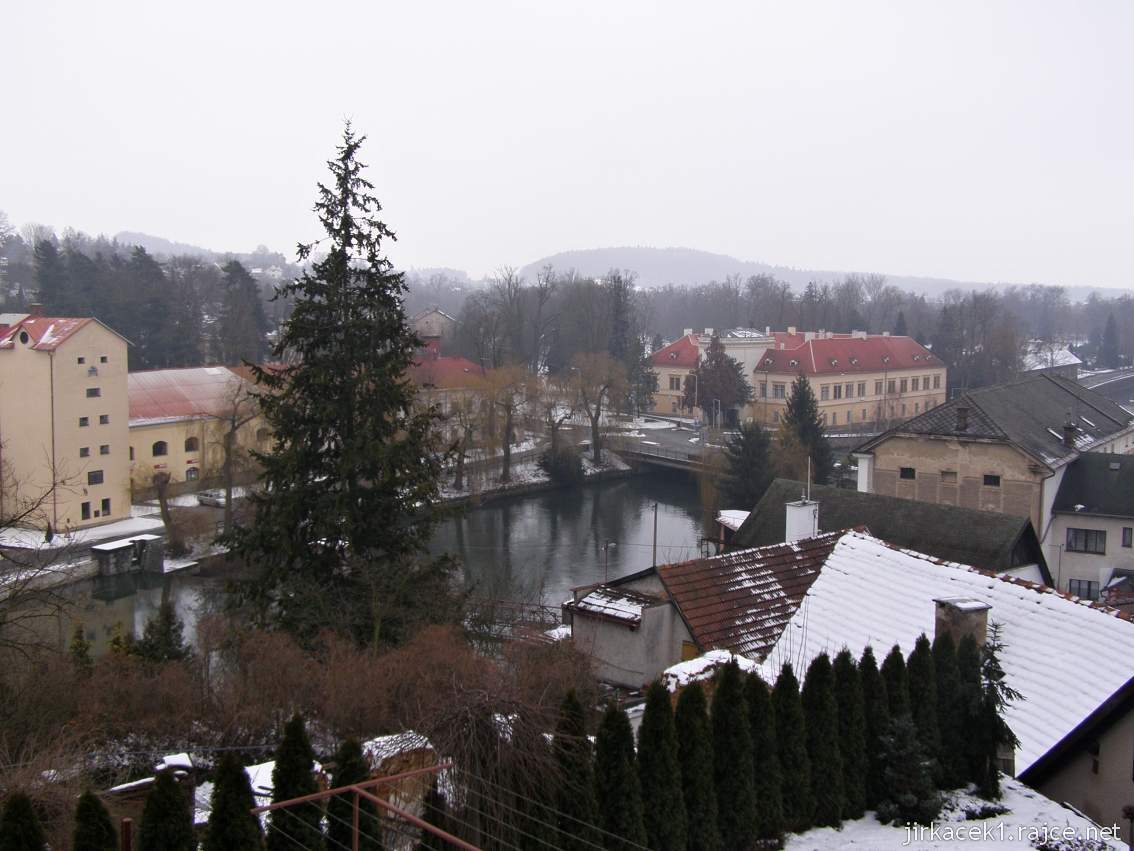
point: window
(84, 422)
(85, 511)
(864, 414)
(890, 386)
(93, 392)
(907, 473)
(877, 388)
(1083, 588)
(94, 477)
(937, 382)
(925, 382)
(84, 452)
(861, 389)
(1127, 536)
(262, 435)
(838, 391)
(675, 382)
(991, 481)
(1091, 541)
(763, 389)
(914, 384)
(825, 392)
(192, 444)
(850, 391)
(103, 359)
(131, 453)
(159, 448)
(777, 392)
(903, 409)
(80, 360)
(104, 449)
(192, 474)
(902, 387)
(917, 407)
(775, 416)
(948, 477)
(106, 506)
(104, 419)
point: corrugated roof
(168, 395)
(741, 601)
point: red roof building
(673, 363)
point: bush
(910, 796)
(563, 465)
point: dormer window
(769, 361)
(834, 361)
(793, 362)
(854, 361)
(885, 358)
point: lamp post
(606, 560)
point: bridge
(651, 453)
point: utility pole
(655, 535)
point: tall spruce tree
(993, 734)
(719, 379)
(748, 470)
(617, 790)
(970, 705)
(732, 760)
(232, 826)
(348, 492)
(695, 756)
(93, 829)
(852, 733)
(821, 717)
(897, 682)
(876, 715)
(20, 829)
(765, 760)
(167, 820)
(293, 777)
(243, 325)
(1108, 349)
(950, 722)
(802, 425)
(351, 767)
(660, 774)
(922, 678)
(791, 744)
(575, 798)
(50, 277)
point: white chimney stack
(802, 520)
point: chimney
(801, 520)
(791, 329)
(35, 309)
(708, 332)
(808, 336)
(767, 330)
(961, 616)
(687, 332)
(1069, 432)
(962, 418)
(858, 335)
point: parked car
(211, 497)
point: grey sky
(979, 141)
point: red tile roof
(680, 353)
(168, 395)
(741, 601)
(445, 373)
(46, 333)
(844, 354)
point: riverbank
(527, 478)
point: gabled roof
(1029, 413)
(682, 352)
(839, 354)
(986, 539)
(168, 395)
(47, 333)
(871, 593)
(445, 373)
(740, 601)
(1098, 483)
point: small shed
(140, 553)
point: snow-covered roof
(732, 519)
(614, 603)
(1041, 356)
(385, 747)
(259, 778)
(703, 668)
(869, 592)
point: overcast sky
(989, 141)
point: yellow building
(179, 419)
(63, 422)
(673, 364)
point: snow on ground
(559, 633)
(260, 779)
(1030, 820)
(33, 538)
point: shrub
(563, 465)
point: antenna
(809, 478)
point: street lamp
(606, 560)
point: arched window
(263, 435)
(160, 447)
(192, 444)
(192, 474)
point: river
(532, 548)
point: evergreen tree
(80, 650)
(802, 425)
(1108, 349)
(50, 277)
(821, 719)
(167, 820)
(351, 767)
(732, 760)
(243, 325)
(718, 378)
(852, 733)
(660, 774)
(910, 796)
(19, 825)
(575, 798)
(897, 682)
(993, 734)
(950, 721)
(876, 715)
(293, 777)
(765, 760)
(434, 811)
(748, 467)
(617, 790)
(900, 325)
(93, 829)
(791, 744)
(922, 676)
(348, 493)
(232, 826)
(162, 640)
(695, 756)
(970, 700)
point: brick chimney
(35, 309)
(1069, 432)
(961, 616)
